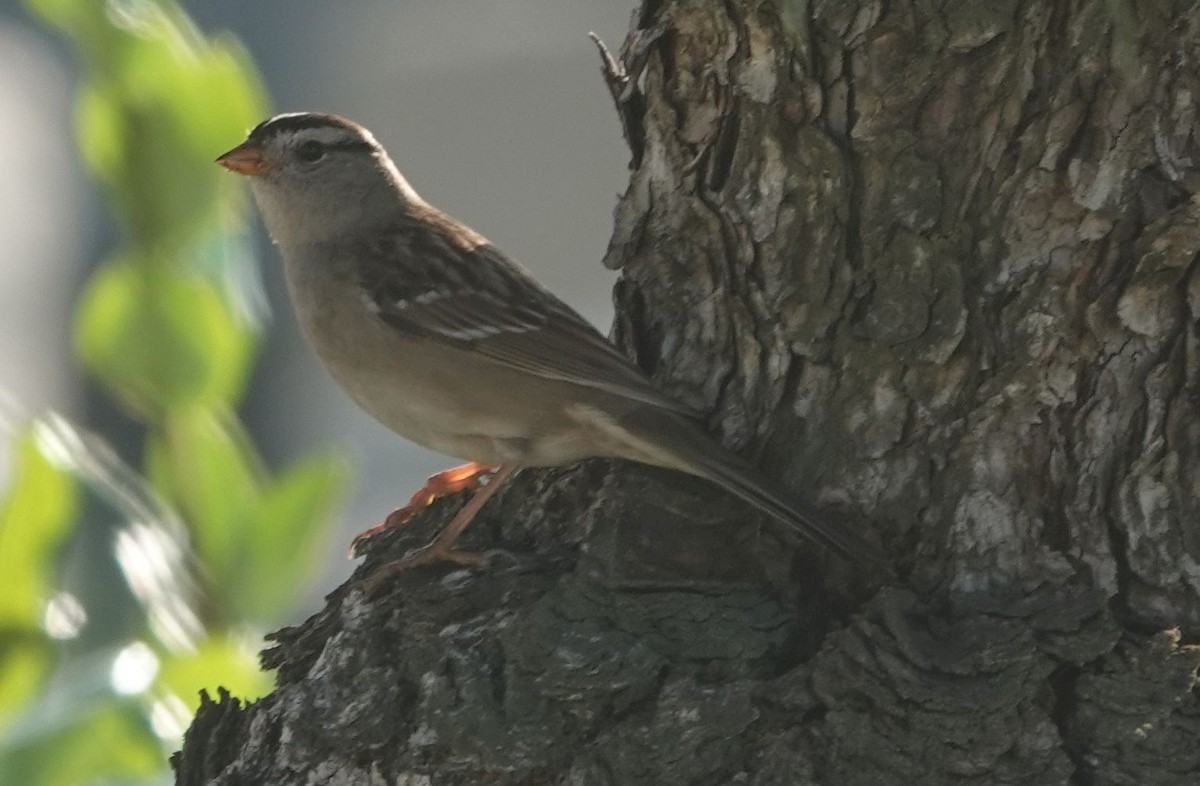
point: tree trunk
(933, 265)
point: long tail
(692, 451)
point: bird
(448, 342)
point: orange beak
(247, 159)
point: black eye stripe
(310, 150)
(312, 145)
(313, 150)
(350, 145)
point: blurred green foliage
(160, 338)
(36, 516)
(212, 545)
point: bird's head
(316, 176)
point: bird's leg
(441, 548)
(465, 477)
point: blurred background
(496, 112)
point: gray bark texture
(932, 265)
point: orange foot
(466, 477)
(441, 548)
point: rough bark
(932, 264)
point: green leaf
(112, 740)
(25, 658)
(160, 337)
(257, 537)
(159, 105)
(291, 528)
(228, 661)
(70, 16)
(164, 330)
(153, 155)
(36, 516)
(202, 462)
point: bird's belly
(477, 435)
(435, 419)
(445, 399)
(452, 410)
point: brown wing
(435, 278)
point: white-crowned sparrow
(448, 342)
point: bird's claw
(426, 555)
(465, 477)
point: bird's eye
(310, 151)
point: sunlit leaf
(201, 462)
(229, 661)
(160, 104)
(167, 330)
(25, 659)
(160, 337)
(291, 525)
(257, 537)
(80, 687)
(36, 516)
